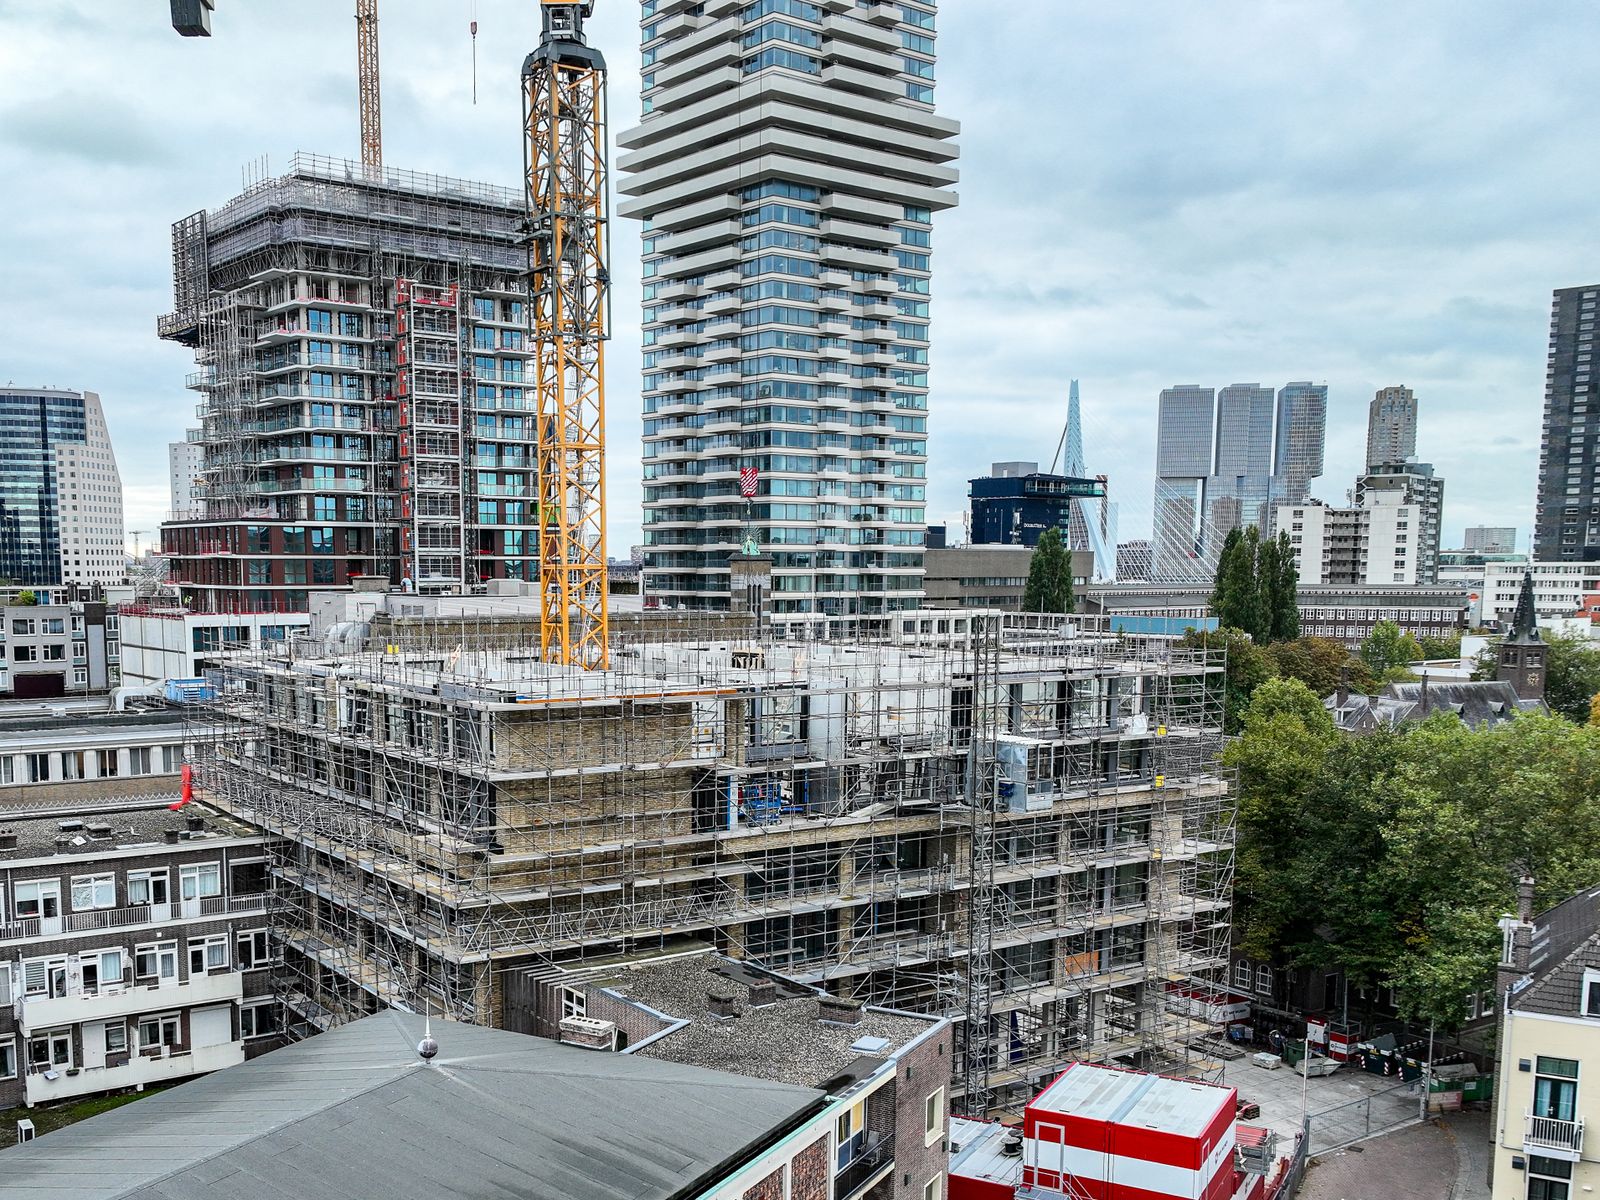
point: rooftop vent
(172, 836)
(762, 993)
(722, 1005)
(70, 825)
(194, 822)
(589, 1033)
(100, 832)
(8, 839)
(871, 1045)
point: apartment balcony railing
(1553, 1138)
(865, 1167)
(143, 914)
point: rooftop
(356, 1112)
(1566, 942)
(978, 1150)
(92, 833)
(783, 1041)
(1186, 1107)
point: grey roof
(1477, 702)
(96, 830)
(1566, 940)
(356, 1113)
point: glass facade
(1567, 517)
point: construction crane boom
(564, 119)
(367, 83)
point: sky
(1358, 194)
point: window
(8, 1059)
(253, 953)
(156, 961)
(159, 1030)
(1591, 993)
(573, 1003)
(1264, 980)
(1555, 1088)
(1241, 973)
(5, 985)
(1547, 1178)
(203, 879)
(930, 1190)
(40, 898)
(100, 970)
(93, 891)
(50, 1049)
(208, 954)
(117, 1038)
(147, 887)
(258, 1020)
(933, 1116)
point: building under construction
(366, 367)
(1014, 820)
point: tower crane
(564, 119)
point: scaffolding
(1015, 820)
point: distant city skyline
(1082, 246)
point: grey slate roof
(355, 1113)
(1566, 941)
(1477, 702)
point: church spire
(1524, 622)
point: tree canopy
(1049, 588)
(1388, 647)
(1411, 841)
(1255, 586)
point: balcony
(126, 1000)
(136, 1071)
(866, 1168)
(99, 919)
(1553, 1138)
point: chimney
(836, 1010)
(1424, 694)
(762, 993)
(1516, 944)
(1342, 696)
(8, 839)
(194, 822)
(588, 1033)
(1525, 898)
(722, 1005)
(172, 836)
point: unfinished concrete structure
(1013, 820)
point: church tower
(1522, 652)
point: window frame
(94, 883)
(251, 961)
(933, 1116)
(8, 1045)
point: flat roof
(1181, 1106)
(95, 831)
(977, 1151)
(355, 1112)
(784, 1041)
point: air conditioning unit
(589, 1033)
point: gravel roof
(132, 826)
(783, 1042)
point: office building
(1567, 515)
(1016, 502)
(1391, 426)
(60, 493)
(86, 750)
(978, 576)
(164, 642)
(136, 949)
(1378, 543)
(1490, 539)
(1546, 1103)
(795, 803)
(363, 353)
(1413, 484)
(1559, 588)
(1301, 436)
(1184, 431)
(787, 169)
(1239, 492)
(186, 461)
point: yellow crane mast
(367, 82)
(564, 118)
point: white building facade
(1558, 587)
(787, 169)
(1379, 544)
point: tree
(1255, 586)
(1594, 709)
(1387, 647)
(1285, 613)
(1571, 675)
(1221, 598)
(1320, 664)
(27, 597)
(1049, 588)
(1440, 647)
(1266, 588)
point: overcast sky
(1360, 194)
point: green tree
(1221, 597)
(1266, 588)
(1440, 647)
(1571, 675)
(1285, 613)
(27, 596)
(1237, 592)
(1049, 588)
(1320, 663)
(1387, 647)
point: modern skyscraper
(363, 354)
(1184, 431)
(1239, 492)
(1411, 483)
(787, 168)
(186, 463)
(1391, 426)
(1301, 436)
(60, 491)
(1567, 518)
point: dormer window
(1591, 993)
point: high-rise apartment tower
(787, 168)
(1184, 429)
(365, 366)
(60, 492)
(1391, 426)
(1567, 518)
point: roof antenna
(427, 1047)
